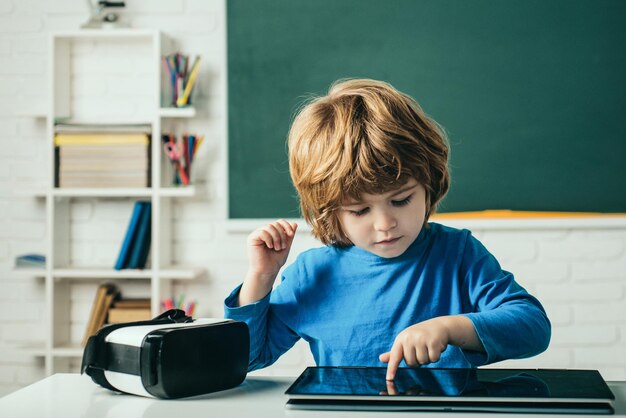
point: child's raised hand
(418, 344)
(268, 248)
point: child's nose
(384, 222)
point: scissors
(174, 153)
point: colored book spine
(141, 245)
(100, 139)
(131, 233)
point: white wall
(578, 273)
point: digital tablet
(463, 390)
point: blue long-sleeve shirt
(350, 304)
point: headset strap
(95, 354)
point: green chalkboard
(531, 93)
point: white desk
(73, 395)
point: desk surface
(73, 395)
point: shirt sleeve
(510, 323)
(271, 321)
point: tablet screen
(506, 383)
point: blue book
(30, 260)
(141, 245)
(131, 234)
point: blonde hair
(364, 136)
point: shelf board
(169, 272)
(68, 350)
(100, 273)
(116, 33)
(38, 192)
(182, 191)
(31, 113)
(103, 192)
(30, 271)
(177, 112)
(181, 273)
(32, 349)
(32, 109)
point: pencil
(181, 101)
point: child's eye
(360, 212)
(402, 202)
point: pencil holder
(181, 153)
(181, 77)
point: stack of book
(105, 296)
(136, 245)
(102, 156)
(30, 261)
(129, 310)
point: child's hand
(268, 248)
(423, 343)
(418, 344)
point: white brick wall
(580, 277)
(97, 225)
(579, 274)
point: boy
(370, 168)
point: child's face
(385, 224)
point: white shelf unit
(58, 348)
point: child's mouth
(388, 241)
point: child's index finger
(395, 357)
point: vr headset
(170, 356)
